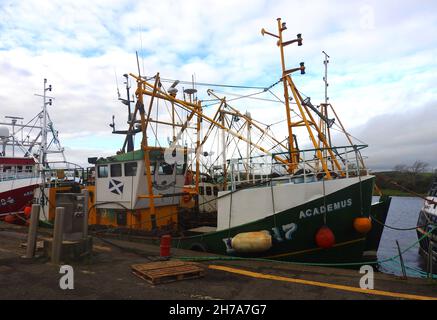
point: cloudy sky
(382, 70)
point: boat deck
(107, 275)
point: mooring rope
(393, 258)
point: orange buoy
(325, 237)
(10, 218)
(362, 224)
(165, 245)
(27, 211)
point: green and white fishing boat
(312, 204)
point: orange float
(362, 224)
(27, 211)
(10, 218)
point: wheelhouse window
(130, 169)
(180, 168)
(208, 191)
(215, 191)
(165, 169)
(116, 170)
(201, 191)
(102, 171)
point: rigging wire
(212, 84)
(240, 96)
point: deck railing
(257, 170)
(15, 175)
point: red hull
(15, 200)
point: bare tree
(418, 167)
(400, 168)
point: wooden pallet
(167, 271)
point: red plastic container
(165, 245)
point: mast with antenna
(304, 106)
(293, 155)
(173, 92)
(13, 123)
(325, 78)
(43, 149)
(130, 119)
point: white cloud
(376, 69)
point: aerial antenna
(191, 92)
(193, 81)
(116, 81)
(141, 44)
(138, 65)
(172, 89)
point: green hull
(293, 231)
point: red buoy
(325, 237)
(165, 245)
(27, 211)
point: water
(403, 213)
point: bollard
(85, 213)
(58, 235)
(31, 235)
(165, 245)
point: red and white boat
(23, 160)
(19, 177)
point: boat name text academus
(325, 208)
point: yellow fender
(257, 241)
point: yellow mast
(293, 154)
(307, 118)
(144, 142)
(199, 119)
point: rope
(211, 258)
(406, 189)
(213, 84)
(324, 200)
(397, 228)
(273, 196)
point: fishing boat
(18, 179)
(426, 224)
(295, 204)
(31, 156)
